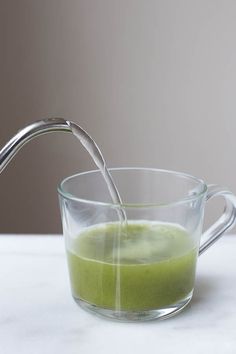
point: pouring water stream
(59, 124)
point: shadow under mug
(143, 267)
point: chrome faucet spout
(51, 125)
(28, 133)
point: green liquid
(142, 266)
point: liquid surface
(148, 266)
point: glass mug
(141, 268)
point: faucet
(31, 131)
(51, 125)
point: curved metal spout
(29, 132)
(51, 125)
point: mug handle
(226, 220)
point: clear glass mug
(142, 268)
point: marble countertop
(38, 314)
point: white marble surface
(38, 314)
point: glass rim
(186, 199)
